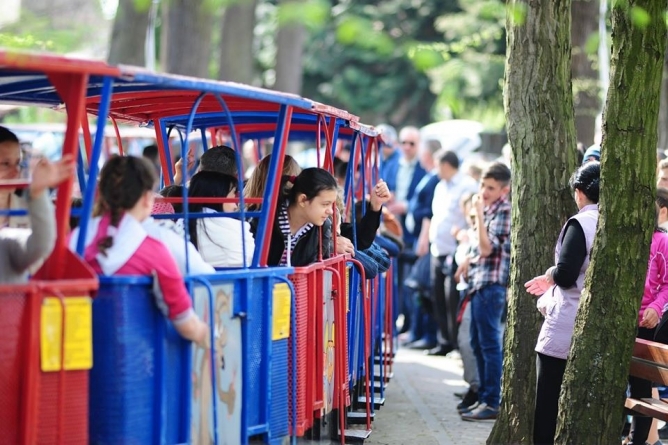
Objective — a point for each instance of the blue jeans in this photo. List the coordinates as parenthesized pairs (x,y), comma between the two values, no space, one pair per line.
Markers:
(487,307)
(423,325)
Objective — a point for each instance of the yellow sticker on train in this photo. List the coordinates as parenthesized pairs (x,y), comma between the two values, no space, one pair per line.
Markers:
(78,334)
(281,312)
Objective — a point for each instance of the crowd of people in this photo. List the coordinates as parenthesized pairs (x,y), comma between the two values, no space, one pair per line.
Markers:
(455,216)
(447,219)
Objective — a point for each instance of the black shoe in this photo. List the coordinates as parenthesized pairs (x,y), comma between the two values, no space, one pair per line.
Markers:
(470,398)
(439,350)
(420,344)
(460,395)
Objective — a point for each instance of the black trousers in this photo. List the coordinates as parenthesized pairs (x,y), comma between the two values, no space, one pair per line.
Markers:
(446,299)
(641,389)
(549,377)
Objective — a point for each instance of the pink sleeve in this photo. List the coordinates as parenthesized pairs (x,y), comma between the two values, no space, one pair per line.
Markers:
(171,293)
(661,264)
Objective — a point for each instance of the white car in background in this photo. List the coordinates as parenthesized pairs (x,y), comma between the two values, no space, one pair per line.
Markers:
(458,135)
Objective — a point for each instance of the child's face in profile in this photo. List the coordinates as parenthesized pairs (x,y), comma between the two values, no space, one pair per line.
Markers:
(231,206)
(10,160)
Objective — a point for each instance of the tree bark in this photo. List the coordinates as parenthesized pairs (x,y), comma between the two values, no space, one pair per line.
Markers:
(186,37)
(236,45)
(663,109)
(538,101)
(128,34)
(586,88)
(289,52)
(593,391)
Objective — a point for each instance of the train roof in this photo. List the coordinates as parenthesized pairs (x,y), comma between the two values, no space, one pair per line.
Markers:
(141,96)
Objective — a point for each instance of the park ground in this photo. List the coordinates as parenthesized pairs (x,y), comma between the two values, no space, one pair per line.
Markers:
(420,404)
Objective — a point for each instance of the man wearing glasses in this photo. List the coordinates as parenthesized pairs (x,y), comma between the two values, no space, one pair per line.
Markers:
(408,175)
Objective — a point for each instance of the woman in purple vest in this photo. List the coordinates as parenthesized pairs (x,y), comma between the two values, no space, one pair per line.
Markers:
(559,290)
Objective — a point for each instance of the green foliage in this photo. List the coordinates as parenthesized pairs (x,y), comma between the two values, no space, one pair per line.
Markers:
(312,14)
(470,81)
(367,59)
(142,5)
(639,17)
(358,31)
(592,43)
(25,41)
(411,63)
(36,33)
(517,13)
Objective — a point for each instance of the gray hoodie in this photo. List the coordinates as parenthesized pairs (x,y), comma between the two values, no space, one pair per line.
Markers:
(21,248)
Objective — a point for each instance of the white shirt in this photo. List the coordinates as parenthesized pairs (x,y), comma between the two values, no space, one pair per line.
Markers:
(172,237)
(220,241)
(447,213)
(404,178)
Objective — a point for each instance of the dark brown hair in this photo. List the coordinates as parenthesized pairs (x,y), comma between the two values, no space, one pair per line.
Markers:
(123,181)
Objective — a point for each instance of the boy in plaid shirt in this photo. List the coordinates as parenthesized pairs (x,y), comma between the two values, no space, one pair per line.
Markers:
(488,276)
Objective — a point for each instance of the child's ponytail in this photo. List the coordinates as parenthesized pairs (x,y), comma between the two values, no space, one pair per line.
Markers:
(123,181)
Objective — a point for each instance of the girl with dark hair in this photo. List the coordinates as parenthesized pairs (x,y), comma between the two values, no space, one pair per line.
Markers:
(307,203)
(559,290)
(219,239)
(118,244)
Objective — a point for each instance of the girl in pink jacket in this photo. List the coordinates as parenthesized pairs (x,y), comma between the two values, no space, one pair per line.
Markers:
(117,243)
(652,307)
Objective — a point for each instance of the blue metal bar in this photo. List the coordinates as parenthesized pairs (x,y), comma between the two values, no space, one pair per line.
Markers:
(205,142)
(81,169)
(240,181)
(363,174)
(93,162)
(258,149)
(270,197)
(184,172)
(14,212)
(335,134)
(234,89)
(212,344)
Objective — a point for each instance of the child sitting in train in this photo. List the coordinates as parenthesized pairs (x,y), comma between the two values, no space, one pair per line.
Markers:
(11,162)
(117,243)
(21,248)
(306,204)
(222,241)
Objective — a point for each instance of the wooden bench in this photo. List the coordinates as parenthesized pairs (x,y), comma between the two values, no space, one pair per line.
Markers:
(650,362)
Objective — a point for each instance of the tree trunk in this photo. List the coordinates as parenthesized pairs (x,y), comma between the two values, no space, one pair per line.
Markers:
(186,37)
(594,387)
(586,87)
(128,34)
(539,115)
(289,52)
(663,109)
(236,46)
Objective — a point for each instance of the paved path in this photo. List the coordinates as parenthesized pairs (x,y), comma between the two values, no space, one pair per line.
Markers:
(420,405)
